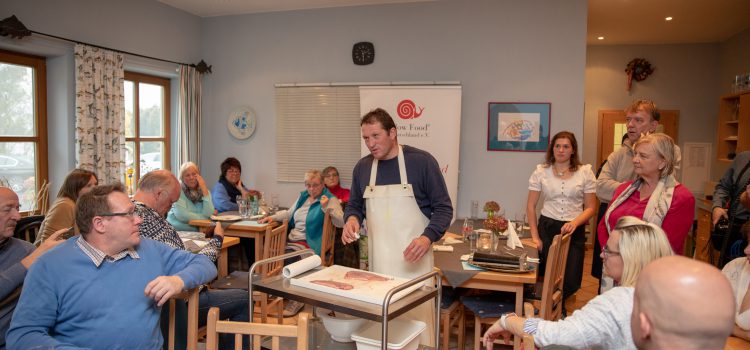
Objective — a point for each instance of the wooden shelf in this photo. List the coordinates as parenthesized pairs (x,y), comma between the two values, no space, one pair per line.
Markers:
(733,122)
(733,125)
(731,138)
(725,160)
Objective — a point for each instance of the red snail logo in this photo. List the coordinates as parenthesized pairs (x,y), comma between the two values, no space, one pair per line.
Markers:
(408,110)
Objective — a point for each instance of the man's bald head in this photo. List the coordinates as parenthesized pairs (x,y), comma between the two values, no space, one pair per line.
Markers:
(681,303)
(9,212)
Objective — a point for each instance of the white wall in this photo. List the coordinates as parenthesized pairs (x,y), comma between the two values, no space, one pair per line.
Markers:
(686,78)
(529,51)
(140,26)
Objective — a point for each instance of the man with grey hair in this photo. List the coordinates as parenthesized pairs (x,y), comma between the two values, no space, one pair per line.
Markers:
(157,191)
(16,257)
(680,303)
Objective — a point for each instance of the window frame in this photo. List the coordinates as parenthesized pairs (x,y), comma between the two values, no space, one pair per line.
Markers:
(137,78)
(39,65)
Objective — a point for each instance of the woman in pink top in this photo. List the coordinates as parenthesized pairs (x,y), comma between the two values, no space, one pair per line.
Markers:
(655,196)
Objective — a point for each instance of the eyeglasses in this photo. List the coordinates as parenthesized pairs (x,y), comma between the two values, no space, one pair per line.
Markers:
(331,175)
(608,253)
(233,171)
(310,185)
(130,214)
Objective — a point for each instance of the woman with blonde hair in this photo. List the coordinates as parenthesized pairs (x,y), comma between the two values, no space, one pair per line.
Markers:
(195,199)
(655,196)
(603,323)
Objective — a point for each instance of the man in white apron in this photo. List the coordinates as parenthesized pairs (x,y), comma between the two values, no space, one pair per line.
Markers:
(402,193)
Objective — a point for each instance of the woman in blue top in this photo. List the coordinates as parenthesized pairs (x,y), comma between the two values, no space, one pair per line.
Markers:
(306,215)
(195,200)
(230,186)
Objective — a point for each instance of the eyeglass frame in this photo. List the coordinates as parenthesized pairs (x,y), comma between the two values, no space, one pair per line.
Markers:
(608,253)
(131,213)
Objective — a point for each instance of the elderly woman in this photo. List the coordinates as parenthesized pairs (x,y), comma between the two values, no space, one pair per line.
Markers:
(62,213)
(195,199)
(655,196)
(333,184)
(603,323)
(306,214)
(230,186)
(738,273)
(569,189)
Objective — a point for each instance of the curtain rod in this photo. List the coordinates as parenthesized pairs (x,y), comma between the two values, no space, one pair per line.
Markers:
(385,83)
(13,27)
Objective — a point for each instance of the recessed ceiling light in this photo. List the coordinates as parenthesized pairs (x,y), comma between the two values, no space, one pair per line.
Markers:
(600,38)
(669,18)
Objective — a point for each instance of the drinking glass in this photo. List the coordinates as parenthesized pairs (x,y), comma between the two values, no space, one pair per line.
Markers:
(472,238)
(275,203)
(467,229)
(244,208)
(484,243)
(474,209)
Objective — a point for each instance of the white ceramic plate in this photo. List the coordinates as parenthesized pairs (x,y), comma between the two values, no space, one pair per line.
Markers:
(226,217)
(241,122)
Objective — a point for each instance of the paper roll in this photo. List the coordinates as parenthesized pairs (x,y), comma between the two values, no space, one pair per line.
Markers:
(301,266)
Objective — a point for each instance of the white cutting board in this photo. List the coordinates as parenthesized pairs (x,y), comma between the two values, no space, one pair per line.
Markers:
(368,291)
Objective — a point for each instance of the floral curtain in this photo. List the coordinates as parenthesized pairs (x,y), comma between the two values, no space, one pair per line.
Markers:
(100,112)
(189,120)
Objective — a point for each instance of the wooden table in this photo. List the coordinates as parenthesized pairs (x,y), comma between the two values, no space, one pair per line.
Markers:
(499,281)
(241,231)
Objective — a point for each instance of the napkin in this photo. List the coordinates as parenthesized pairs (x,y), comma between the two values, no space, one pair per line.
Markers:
(442,248)
(513,240)
(451,240)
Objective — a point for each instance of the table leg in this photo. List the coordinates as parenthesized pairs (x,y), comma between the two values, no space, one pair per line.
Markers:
(519,311)
(223,263)
(258,248)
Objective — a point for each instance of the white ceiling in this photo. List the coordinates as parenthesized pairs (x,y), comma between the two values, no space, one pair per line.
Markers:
(619,21)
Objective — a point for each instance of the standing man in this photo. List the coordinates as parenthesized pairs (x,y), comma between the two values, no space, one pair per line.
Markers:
(105,288)
(641,117)
(16,257)
(680,303)
(729,195)
(402,194)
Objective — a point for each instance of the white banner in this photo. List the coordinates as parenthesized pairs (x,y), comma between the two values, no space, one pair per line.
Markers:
(427,117)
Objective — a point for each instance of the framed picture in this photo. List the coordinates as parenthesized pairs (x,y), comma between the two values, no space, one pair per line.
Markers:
(520,127)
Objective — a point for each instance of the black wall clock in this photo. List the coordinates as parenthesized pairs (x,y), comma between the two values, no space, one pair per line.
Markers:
(363,53)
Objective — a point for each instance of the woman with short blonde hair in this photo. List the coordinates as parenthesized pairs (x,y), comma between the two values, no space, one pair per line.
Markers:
(604,322)
(195,199)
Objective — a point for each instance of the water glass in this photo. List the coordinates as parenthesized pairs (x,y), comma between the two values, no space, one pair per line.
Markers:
(467,228)
(474,209)
(244,208)
(275,203)
(472,239)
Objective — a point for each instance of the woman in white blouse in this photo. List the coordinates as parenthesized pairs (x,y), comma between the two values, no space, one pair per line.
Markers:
(604,322)
(738,273)
(569,192)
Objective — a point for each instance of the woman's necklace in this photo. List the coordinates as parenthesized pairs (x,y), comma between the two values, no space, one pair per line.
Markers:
(560,173)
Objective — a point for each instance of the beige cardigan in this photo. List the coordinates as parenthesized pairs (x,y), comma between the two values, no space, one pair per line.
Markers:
(61,215)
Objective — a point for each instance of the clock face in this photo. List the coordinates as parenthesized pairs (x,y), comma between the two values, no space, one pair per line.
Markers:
(363,53)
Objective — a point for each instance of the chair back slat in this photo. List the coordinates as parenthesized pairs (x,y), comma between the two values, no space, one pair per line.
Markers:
(28,228)
(552,292)
(274,243)
(328,241)
(257,330)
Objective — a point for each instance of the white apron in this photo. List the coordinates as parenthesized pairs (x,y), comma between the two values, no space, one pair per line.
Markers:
(393,221)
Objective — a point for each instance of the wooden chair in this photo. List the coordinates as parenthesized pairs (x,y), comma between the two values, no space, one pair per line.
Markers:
(274,243)
(193,333)
(736,343)
(452,316)
(257,330)
(328,242)
(28,228)
(550,301)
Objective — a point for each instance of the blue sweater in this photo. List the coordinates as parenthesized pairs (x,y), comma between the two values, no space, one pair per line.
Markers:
(12,273)
(68,303)
(185,210)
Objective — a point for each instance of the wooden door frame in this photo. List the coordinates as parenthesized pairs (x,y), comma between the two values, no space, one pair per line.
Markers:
(599,132)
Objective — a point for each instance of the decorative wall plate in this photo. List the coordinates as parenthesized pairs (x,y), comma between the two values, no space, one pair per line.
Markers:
(241,122)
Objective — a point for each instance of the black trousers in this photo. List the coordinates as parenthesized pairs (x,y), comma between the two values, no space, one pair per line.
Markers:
(548,228)
(597,263)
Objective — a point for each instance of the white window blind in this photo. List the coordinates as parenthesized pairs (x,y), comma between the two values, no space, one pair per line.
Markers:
(317,127)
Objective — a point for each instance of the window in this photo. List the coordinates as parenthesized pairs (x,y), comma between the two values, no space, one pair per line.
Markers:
(146,125)
(23,126)
(317,127)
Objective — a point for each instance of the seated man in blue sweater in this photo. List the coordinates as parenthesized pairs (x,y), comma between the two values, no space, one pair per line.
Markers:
(105,288)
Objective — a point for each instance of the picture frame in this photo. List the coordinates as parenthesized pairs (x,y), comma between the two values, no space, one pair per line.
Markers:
(518,126)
